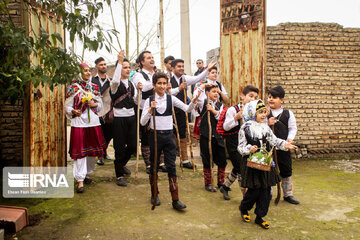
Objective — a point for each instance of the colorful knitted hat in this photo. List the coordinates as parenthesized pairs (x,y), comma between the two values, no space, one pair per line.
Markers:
(250,109)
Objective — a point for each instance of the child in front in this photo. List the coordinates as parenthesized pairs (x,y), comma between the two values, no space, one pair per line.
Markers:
(163,104)
(256,136)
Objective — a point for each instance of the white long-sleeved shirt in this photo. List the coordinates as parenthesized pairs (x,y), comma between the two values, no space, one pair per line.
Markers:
(230,122)
(190,80)
(82,120)
(114,84)
(147,85)
(202,96)
(291,122)
(161,104)
(200,104)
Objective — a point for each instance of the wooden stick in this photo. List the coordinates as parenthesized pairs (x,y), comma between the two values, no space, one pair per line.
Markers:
(177,135)
(155,157)
(138,134)
(210,148)
(277,199)
(188,132)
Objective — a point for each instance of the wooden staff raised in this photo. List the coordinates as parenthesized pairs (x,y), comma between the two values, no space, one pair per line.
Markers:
(210,147)
(277,199)
(138,134)
(188,132)
(155,156)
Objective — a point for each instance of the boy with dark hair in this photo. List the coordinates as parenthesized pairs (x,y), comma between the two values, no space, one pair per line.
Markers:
(214,106)
(144,76)
(167,62)
(285,128)
(179,83)
(162,105)
(232,124)
(123,95)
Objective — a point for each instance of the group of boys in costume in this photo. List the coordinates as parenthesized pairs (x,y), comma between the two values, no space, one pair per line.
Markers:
(245,127)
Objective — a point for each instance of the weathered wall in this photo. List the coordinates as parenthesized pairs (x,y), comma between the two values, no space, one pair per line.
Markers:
(11,133)
(318,65)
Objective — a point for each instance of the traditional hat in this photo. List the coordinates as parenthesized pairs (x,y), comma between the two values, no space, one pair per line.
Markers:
(250,109)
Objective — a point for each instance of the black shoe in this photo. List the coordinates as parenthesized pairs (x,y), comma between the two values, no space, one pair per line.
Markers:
(80,190)
(208,187)
(188,165)
(178,205)
(100,162)
(126,171)
(292,200)
(87,180)
(157,201)
(225,192)
(120,181)
(148,170)
(163,168)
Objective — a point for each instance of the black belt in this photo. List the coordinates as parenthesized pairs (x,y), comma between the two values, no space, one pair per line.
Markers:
(161,131)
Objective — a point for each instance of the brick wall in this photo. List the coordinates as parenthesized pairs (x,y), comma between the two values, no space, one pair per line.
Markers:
(11,134)
(15,12)
(318,65)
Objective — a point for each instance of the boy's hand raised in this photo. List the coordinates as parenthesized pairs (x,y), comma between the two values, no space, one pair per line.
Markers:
(152,106)
(196,97)
(121,56)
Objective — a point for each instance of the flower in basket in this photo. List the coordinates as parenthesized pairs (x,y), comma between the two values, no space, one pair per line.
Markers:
(86,99)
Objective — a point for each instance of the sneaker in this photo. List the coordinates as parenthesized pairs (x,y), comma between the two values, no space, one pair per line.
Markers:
(100,161)
(120,181)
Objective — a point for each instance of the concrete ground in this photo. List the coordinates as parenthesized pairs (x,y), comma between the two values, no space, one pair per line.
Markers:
(329,192)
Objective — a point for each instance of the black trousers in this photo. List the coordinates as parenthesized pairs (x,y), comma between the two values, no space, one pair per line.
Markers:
(234,155)
(124,141)
(285,163)
(260,196)
(218,152)
(107,129)
(144,134)
(166,144)
(181,122)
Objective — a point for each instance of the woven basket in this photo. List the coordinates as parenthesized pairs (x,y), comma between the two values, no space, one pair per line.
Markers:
(259,166)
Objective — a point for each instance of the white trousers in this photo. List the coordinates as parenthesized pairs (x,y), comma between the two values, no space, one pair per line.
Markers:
(82,167)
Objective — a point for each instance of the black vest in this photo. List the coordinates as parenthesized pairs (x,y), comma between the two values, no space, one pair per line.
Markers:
(204,126)
(147,94)
(168,110)
(281,127)
(128,101)
(96,80)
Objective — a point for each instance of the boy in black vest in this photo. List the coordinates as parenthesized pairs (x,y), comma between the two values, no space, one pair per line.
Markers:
(102,80)
(144,76)
(285,128)
(163,104)
(232,124)
(179,82)
(217,143)
(123,95)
